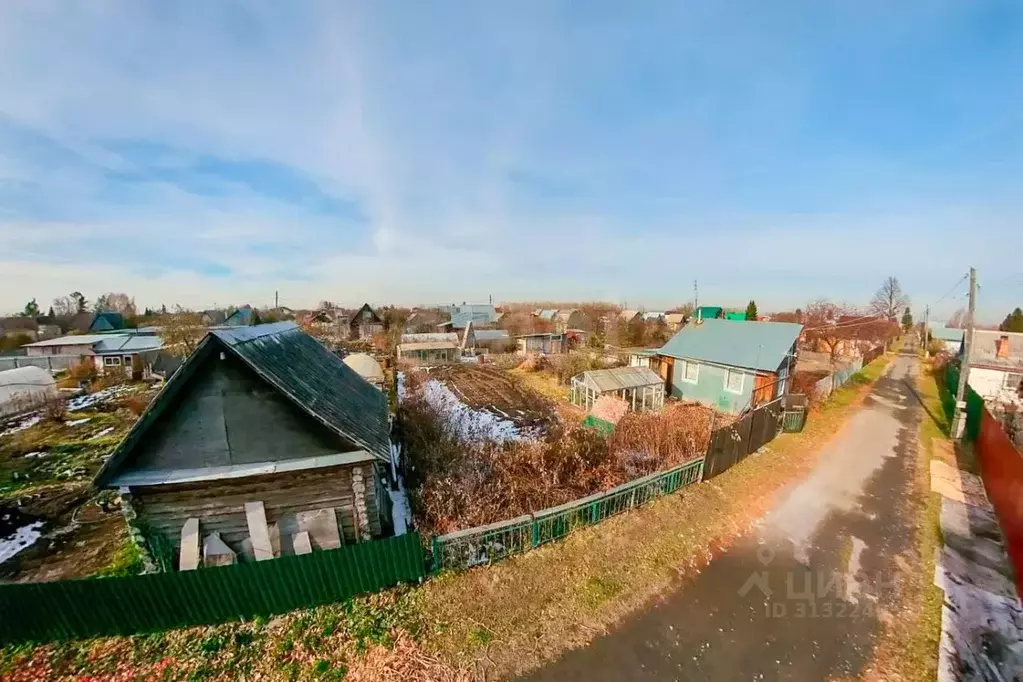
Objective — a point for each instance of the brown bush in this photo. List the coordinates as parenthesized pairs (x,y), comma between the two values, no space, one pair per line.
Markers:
(82,372)
(459,483)
(137,403)
(54,407)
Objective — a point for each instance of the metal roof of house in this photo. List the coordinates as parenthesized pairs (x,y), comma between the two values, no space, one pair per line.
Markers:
(428,345)
(620,378)
(300,369)
(984,350)
(128,343)
(490,334)
(708,312)
(753,345)
(72,340)
(674,318)
(946,333)
(628,315)
(461,320)
(428,337)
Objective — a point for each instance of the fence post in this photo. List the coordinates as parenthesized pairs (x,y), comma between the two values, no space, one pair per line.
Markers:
(535,530)
(435,546)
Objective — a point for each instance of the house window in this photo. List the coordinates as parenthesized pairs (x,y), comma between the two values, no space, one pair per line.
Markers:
(127,359)
(111,361)
(690,372)
(734,381)
(1011,381)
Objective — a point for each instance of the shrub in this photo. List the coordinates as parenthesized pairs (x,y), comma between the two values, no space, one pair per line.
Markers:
(54,407)
(137,403)
(83,372)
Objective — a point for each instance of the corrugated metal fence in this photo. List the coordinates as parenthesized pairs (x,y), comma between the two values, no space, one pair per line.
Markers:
(50,362)
(829,384)
(733,443)
(485,544)
(148,603)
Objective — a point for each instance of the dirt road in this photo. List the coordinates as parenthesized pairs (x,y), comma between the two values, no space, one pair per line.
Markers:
(803,598)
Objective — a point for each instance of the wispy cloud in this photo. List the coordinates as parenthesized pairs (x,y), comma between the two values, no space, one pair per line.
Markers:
(212,152)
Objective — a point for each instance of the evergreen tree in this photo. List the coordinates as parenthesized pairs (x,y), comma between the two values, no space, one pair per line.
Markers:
(907,320)
(32,309)
(1013,322)
(751,311)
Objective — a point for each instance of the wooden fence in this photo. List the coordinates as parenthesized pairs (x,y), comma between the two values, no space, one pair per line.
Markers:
(148,603)
(733,443)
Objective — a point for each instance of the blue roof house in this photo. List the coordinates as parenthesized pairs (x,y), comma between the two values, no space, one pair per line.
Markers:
(730,365)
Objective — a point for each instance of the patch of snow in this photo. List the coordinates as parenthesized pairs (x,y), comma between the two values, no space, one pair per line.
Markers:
(26,422)
(465,422)
(103,432)
(21,538)
(401,386)
(76,422)
(30,455)
(89,399)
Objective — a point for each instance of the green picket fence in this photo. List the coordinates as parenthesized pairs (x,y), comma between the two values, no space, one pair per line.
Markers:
(486,544)
(160,601)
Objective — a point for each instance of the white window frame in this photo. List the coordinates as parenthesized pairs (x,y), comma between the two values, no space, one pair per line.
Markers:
(111,361)
(1011,380)
(686,364)
(742,380)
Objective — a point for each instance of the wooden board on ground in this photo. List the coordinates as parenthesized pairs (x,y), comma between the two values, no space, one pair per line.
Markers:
(259,533)
(189,557)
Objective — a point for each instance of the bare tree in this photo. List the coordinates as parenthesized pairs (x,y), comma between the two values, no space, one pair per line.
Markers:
(889,299)
(958,320)
(821,326)
(115,303)
(64,305)
(181,332)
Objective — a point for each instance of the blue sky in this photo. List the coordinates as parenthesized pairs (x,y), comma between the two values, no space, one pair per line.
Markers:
(212,153)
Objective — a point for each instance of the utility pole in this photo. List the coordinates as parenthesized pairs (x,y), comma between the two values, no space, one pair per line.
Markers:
(927,331)
(959,421)
(696,296)
(277,300)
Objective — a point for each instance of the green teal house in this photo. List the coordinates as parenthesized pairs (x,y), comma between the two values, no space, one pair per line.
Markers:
(729,364)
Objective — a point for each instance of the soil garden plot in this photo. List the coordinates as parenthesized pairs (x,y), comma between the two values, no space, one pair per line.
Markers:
(53,524)
(497,392)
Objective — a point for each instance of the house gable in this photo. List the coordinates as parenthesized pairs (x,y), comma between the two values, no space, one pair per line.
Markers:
(290,368)
(225,415)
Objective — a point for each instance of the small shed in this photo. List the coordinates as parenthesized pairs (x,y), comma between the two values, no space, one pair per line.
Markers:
(640,387)
(21,387)
(430,352)
(261,432)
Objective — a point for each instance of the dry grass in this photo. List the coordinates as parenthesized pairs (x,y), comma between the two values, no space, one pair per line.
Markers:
(536,605)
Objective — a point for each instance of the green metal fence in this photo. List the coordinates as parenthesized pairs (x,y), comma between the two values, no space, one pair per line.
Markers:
(974,403)
(486,544)
(148,603)
(793,420)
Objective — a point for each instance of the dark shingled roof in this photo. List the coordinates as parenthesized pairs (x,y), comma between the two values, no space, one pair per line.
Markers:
(297,366)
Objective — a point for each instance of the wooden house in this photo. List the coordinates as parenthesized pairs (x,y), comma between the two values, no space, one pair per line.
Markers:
(257,417)
(730,365)
(362,323)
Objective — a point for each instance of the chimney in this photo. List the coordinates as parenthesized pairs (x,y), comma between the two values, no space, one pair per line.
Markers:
(1002,350)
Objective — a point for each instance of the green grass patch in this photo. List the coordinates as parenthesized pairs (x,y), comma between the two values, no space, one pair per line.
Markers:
(598,590)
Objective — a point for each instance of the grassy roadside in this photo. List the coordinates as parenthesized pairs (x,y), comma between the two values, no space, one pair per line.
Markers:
(908,648)
(499,620)
(513,616)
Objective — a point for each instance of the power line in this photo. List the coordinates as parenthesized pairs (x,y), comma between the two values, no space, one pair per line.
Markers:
(954,286)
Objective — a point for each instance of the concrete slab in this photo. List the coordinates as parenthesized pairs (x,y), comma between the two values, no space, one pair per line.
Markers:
(189,557)
(952,568)
(302,543)
(215,551)
(321,525)
(981,636)
(973,532)
(961,486)
(259,533)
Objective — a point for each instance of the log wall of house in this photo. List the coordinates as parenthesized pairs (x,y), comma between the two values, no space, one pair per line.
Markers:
(220,505)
